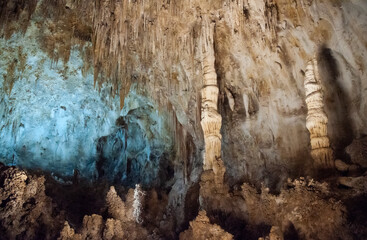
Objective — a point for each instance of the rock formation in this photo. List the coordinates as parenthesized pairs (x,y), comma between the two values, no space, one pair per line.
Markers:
(122,224)
(211,121)
(116,207)
(275,234)
(358,151)
(201,229)
(304,209)
(316,121)
(154,52)
(206,105)
(296,207)
(26,212)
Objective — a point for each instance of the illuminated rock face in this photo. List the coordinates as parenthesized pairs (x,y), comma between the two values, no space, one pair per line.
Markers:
(316,121)
(52,111)
(55,120)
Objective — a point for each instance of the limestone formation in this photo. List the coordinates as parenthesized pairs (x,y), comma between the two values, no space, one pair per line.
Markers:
(211,121)
(298,206)
(209,105)
(138,204)
(25,209)
(201,229)
(113,230)
(92,227)
(341,166)
(116,207)
(154,50)
(316,121)
(68,233)
(275,234)
(304,208)
(122,223)
(358,151)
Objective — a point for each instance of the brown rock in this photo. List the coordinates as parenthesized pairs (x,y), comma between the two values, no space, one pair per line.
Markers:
(358,151)
(341,166)
(201,229)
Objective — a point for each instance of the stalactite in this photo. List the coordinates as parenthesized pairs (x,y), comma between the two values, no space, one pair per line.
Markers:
(15,14)
(211,120)
(316,121)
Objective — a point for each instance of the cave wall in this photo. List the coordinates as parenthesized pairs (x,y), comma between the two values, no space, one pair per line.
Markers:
(140,149)
(117,90)
(51,114)
(262,49)
(54,119)
(264,71)
(261,53)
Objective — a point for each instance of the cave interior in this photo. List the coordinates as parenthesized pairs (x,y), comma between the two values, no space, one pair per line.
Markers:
(220,119)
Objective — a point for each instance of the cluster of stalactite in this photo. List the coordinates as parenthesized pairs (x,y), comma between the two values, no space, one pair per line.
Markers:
(316,121)
(133,38)
(15,16)
(130,39)
(158,46)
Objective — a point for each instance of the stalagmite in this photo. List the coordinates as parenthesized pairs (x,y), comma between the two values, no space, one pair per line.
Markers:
(201,228)
(211,120)
(138,203)
(316,121)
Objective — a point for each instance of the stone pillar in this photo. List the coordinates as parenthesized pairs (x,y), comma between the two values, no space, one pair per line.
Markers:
(211,120)
(316,121)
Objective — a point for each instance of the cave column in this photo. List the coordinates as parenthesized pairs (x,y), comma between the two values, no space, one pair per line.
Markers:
(316,121)
(211,120)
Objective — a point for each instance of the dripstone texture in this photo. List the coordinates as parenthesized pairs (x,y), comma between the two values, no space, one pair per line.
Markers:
(209,105)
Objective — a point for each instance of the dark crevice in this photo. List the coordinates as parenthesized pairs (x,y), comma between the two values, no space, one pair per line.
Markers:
(357,216)
(4,202)
(191,205)
(237,226)
(290,232)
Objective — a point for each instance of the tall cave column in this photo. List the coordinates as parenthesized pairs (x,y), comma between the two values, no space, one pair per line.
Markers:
(211,120)
(316,121)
